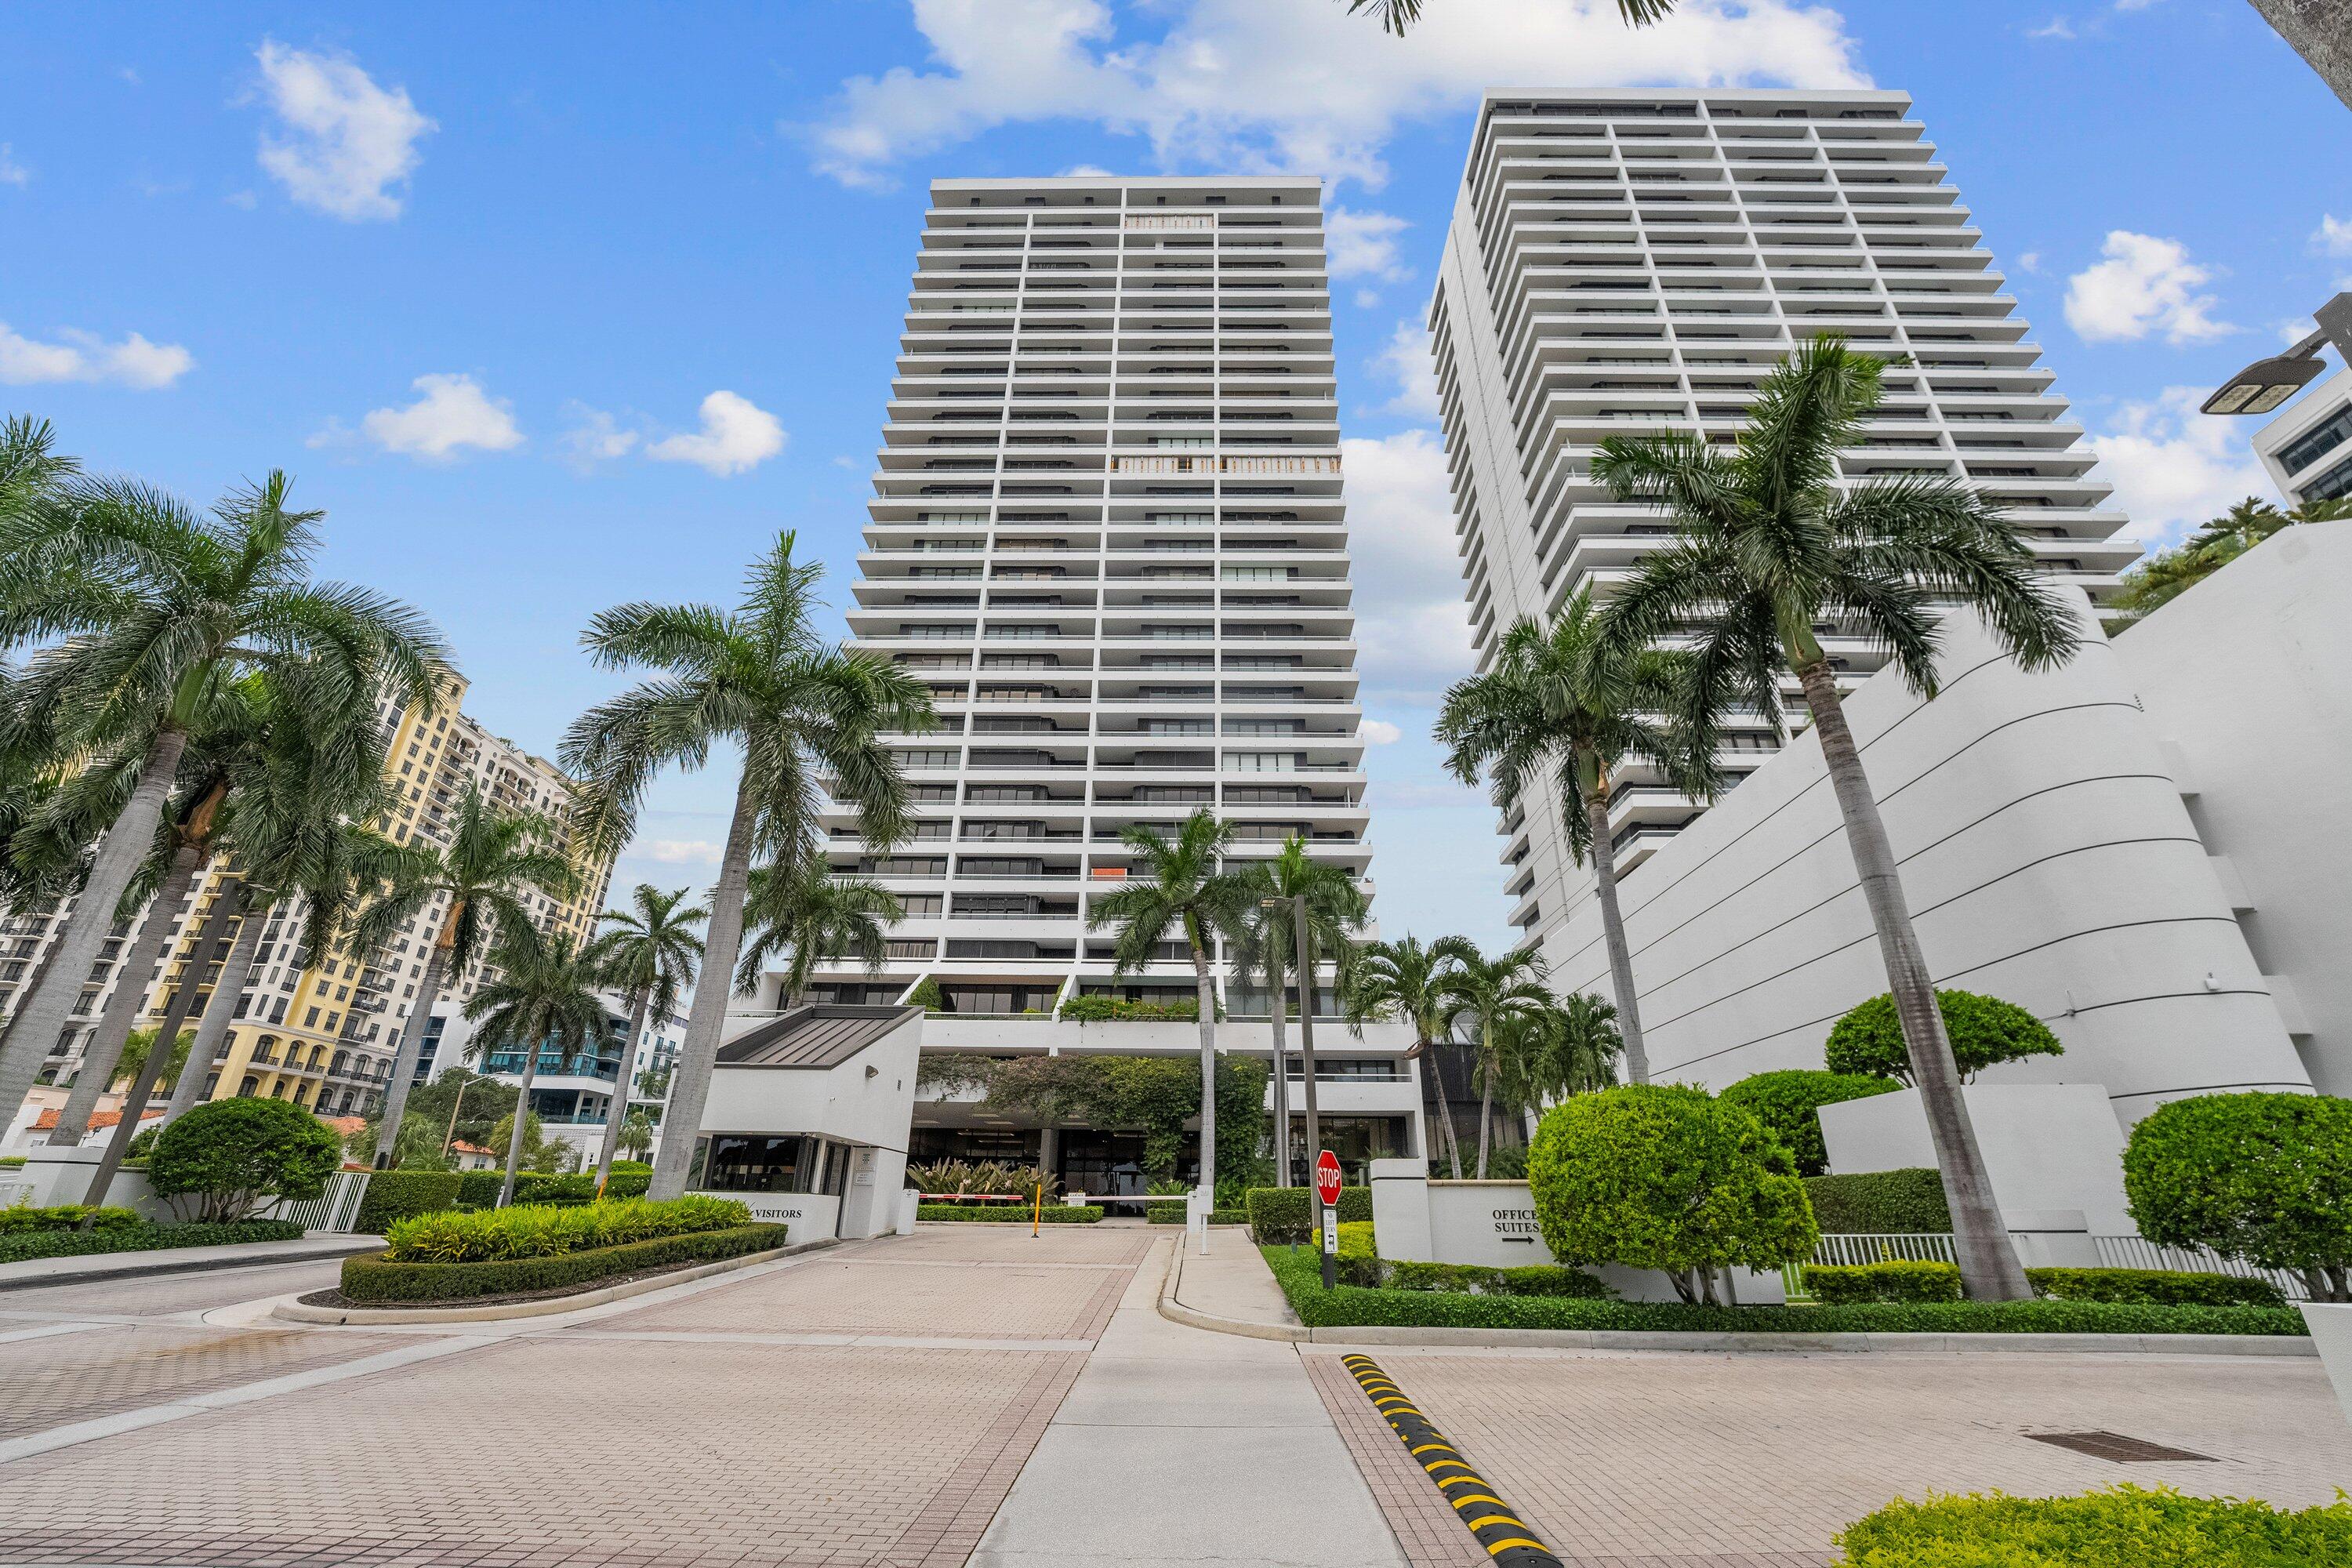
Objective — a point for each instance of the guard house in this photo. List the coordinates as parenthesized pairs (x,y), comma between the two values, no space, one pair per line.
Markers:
(807,1119)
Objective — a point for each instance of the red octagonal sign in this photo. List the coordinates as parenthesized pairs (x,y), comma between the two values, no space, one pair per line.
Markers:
(1326,1178)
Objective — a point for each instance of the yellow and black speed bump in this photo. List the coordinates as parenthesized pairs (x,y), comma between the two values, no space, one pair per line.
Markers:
(1486,1516)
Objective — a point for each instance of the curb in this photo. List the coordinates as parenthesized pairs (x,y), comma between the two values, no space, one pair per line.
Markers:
(1175,1312)
(128,1270)
(296,1313)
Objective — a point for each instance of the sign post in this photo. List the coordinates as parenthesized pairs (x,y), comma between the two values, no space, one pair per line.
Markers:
(1327,1202)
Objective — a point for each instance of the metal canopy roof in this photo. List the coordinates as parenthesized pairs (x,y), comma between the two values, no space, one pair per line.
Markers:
(814,1035)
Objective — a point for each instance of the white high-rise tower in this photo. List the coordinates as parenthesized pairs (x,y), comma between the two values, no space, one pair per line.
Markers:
(1108,530)
(1628,262)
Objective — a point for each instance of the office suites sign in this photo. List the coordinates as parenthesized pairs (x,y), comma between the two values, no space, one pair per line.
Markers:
(1492,1223)
(1517,1225)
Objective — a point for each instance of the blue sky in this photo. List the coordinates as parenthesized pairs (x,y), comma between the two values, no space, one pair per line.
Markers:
(552,308)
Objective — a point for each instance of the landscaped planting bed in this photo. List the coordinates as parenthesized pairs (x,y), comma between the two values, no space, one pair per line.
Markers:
(2124,1528)
(1278,1215)
(521,1251)
(1009,1214)
(28,1233)
(1350,1306)
(1174,1214)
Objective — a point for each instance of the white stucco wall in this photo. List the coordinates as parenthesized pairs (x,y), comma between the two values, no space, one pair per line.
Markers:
(844,1102)
(2248,677)
(2047,857)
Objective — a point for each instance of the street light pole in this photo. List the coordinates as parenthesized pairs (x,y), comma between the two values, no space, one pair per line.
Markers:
(1304,957)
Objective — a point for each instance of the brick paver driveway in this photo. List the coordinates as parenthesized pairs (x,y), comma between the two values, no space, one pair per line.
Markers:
(1692,1461)
(868,1404)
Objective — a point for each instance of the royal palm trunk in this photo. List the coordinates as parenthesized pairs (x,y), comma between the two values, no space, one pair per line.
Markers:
(159,1056)
(1205,988)
(1279,1009)
(1486,1095)
(620,1107)
(1451,1136)
(220,1010)
(34,1031)
(412,1042)
(521,1116)
(1989,1267)
(2321,32)
(689,1084)
(122,1009)
(1612,923)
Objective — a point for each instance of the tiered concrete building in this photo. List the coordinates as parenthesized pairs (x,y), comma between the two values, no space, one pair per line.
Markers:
(1627,262)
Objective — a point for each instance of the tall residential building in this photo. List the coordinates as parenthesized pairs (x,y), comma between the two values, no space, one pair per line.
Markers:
(322,1035)
(2308,448)
(1108,530)
(1624,263)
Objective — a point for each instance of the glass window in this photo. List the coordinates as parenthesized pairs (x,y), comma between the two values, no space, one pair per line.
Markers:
(2313,445)
(755,1163)
(2333,485)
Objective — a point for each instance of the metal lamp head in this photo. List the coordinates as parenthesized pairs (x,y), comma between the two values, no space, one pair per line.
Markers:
(2262,386)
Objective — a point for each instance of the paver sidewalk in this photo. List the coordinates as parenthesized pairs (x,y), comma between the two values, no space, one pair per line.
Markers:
(33,1273)
(1177,1445)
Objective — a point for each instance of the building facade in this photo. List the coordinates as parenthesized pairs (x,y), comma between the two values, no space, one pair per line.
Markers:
(2308,448)
(1626,263)
(1107,529)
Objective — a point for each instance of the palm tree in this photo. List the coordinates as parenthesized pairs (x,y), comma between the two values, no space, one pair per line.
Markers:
(541,995)
(805,909)
(1405,980)
(810,719)
(1336,906)
(142,609)
(1184,886)
(1487,997)
(1555,700)
(649,957)
(2164,577)
(493,860)
(1397,15)
(636,1137)
(1769,549)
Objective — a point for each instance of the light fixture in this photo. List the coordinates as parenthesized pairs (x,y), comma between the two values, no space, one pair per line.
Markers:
(2263,386)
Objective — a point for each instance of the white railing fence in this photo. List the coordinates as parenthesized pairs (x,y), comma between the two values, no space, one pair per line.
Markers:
(2138,1252)
(13,1193)
(336,1210)
(1852,1249)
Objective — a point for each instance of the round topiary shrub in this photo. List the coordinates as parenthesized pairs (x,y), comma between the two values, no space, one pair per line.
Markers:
(1788,1103)
(2265,1178)
(1984,1030)
(216,1163)
(1665,1177)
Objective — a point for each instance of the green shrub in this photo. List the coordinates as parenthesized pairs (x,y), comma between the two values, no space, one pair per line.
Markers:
(1788,1105)
(66,1216)
(16,1246)
(143,1143)
(1898,1279)
(1665,1177)
(1506,1163)
(1174,1214)
(1983,1029)
(1110,1009)
(1356,1238)
(993,1178)
(1480,1280)
(2122,1528)
(480,1188)
(12,1162)
(2158,1286)
(1299,1275)
(547,1230)
(2263,1177)
(1009,1214)
(927,996)
(1286,1214)
(223,1157)
(1909,1202)
(395,1196)
(373,1276)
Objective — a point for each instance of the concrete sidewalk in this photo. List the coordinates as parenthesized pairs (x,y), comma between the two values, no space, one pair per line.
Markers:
(1233,1281)
(1177,1445)
(94,1267)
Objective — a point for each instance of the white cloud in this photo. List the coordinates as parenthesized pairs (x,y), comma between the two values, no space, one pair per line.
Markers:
(1364,243)
(1250,86)
(2029,261)
(595,437)
(2145,285)
(452,413)
(1405,359)
(677,851)
(736,435)
(346,141)
(2056,27)
(12,173)
(2332,237)
(1378,732)
(133,362)
(1411,623)
(2173,467)
(1084,172)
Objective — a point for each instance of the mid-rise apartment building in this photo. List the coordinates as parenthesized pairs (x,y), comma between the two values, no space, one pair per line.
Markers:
(1624,263)
(322,1034)
(2308,448)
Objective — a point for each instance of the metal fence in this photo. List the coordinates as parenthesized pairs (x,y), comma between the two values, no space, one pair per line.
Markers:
(337,1209)
(13,1193)
(2114,1252)
(1850,1249)
(2138,1252)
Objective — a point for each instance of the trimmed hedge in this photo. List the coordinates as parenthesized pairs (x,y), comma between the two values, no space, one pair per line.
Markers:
(23,1245)
(2124,1528)
(1174,1214)
(66,1216)
(1299,1275)
(1788,1105)
(543,1230)
(1539,1280)
(1898,1279)
(1007,1213)
(372,1276)
(479,1189)
(395,1195)
(2157,1287)
(1908,1202)
(1285,1214)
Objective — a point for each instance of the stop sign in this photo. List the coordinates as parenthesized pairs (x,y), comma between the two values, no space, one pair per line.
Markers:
(1326,1178)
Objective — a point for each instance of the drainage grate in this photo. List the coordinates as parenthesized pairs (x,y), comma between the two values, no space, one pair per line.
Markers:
(2117,1447)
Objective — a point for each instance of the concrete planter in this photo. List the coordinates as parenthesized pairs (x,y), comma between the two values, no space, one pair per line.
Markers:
(2331,1334)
